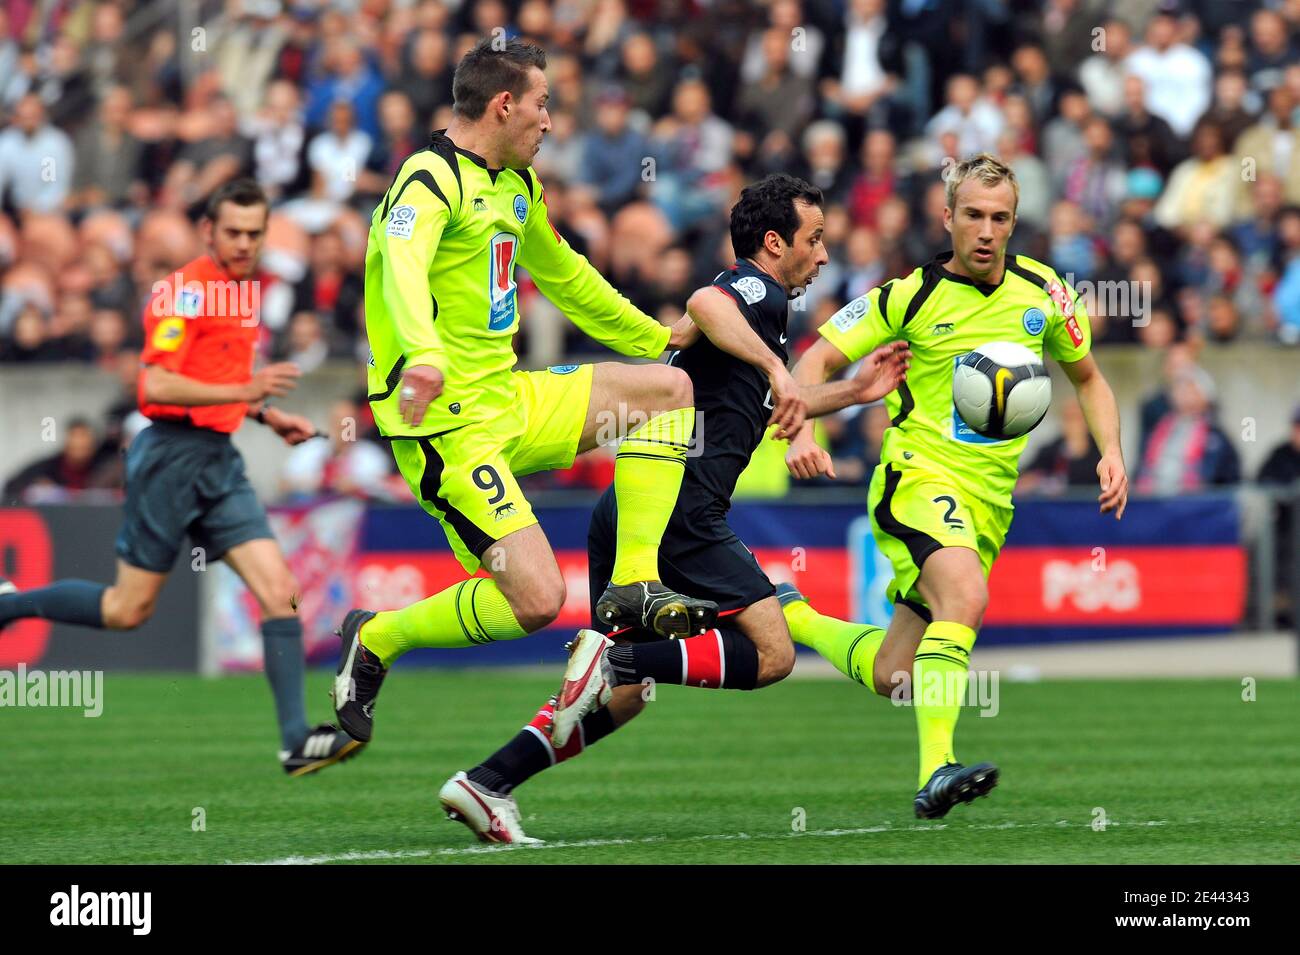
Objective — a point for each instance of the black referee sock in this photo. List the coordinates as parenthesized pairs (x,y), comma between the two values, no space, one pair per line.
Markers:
(284,664)
(531,751)
(66,601)
(718,659)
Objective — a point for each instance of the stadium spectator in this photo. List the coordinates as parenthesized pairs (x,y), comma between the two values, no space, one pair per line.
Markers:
(1062,138)
(108,158)
(425,77)
(695,146)
(1187,451)
(346,463)
(279,138)
(1202,187)
(1102,74)
(331,292)
(824,150)
(1034,80)
(37,165)
(399,137)
(245,44)
(1069,460)
(1286,295)
(1270,147)
(877,181)
(337,156)
(975,121)
(643,74)
(1096,181)
(347,77)
(858,82)
(1229,110)
(1148,140)
(216,154)
(72,468)
(780,99)
(1270,50)
(613,153)
(1176,76)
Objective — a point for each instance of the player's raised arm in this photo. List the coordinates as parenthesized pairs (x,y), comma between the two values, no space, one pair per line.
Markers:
(719,318)
(583,294)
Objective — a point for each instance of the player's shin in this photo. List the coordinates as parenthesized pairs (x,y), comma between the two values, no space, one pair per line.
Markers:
(284,665)
(938,688)
(531,751)
(471,612)
(647,476)
(719,659)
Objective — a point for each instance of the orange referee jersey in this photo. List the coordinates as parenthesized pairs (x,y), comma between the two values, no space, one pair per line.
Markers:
(202,323)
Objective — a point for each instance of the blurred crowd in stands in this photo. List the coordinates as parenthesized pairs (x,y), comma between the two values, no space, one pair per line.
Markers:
(1157,147)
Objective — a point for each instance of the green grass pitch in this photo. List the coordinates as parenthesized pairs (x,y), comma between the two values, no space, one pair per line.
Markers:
(1184,771)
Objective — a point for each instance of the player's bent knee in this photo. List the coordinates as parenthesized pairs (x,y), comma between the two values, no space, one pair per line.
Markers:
(539,606)
(128,616)
(775,665)
(680,390)
(281,598)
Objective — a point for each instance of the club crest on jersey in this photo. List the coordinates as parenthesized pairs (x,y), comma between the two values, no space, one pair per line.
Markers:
(501,282)
(521,208)
(751,289)
(852,313)
(1061,298)
(562,369)
(1034,320)
(401,222)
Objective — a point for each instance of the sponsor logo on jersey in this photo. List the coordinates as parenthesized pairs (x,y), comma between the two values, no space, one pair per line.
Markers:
(478,204)
(1072,326)
(521,208)
(1061,298)
(168,334)
(943,328)
(852,313)
(751,289)
(454,407)
(401,222)
(1034,321)
(501,283)
(562,369)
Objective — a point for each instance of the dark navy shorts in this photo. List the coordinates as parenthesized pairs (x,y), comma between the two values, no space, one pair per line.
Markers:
(700,554)
(185,480)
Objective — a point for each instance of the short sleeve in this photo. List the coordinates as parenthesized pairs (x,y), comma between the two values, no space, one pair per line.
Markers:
(863,325)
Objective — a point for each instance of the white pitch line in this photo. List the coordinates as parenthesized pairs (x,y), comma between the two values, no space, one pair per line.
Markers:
(390,855)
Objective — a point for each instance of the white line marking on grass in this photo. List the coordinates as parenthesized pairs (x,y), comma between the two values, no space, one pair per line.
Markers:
(386,855)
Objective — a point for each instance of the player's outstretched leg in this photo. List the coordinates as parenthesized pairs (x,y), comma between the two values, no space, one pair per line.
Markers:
(953,783)
(648,471)
(850,647)
(483,798)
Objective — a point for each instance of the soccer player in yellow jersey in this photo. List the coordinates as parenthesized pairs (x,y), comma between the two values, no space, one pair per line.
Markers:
(441,314)
(940,500)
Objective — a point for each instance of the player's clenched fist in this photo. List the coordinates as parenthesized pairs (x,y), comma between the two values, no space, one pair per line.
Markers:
(421,384)
(806,459)
(277,379)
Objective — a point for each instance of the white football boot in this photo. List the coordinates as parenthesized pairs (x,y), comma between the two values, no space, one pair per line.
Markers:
(588,684)
(491,817)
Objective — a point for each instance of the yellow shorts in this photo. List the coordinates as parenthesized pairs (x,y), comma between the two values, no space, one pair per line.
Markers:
(466,478)
(916,511)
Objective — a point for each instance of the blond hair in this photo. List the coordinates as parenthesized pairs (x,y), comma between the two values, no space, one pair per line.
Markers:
(984,167)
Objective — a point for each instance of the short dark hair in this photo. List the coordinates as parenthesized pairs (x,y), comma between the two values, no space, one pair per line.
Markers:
(768,205)
(485,71)
(242,192)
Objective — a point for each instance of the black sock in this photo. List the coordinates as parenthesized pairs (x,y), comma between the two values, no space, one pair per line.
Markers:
(719,658)
(67,601)
(283,660)
(530,752)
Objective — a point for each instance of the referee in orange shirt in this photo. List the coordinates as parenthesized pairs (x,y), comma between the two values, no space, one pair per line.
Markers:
(183,474)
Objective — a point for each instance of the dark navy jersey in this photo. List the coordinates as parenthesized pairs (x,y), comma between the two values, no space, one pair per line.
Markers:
(732,400)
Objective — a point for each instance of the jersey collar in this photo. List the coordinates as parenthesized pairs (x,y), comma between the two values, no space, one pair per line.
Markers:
(986,289)
(475,158)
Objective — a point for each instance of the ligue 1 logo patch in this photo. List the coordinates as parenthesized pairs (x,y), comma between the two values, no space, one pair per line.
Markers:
(521,208)
(401,222)
(1034,320)
(751,289)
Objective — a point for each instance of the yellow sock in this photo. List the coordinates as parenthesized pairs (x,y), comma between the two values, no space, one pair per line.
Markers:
(647,476)
(938,689)
(471,612)
(850,647)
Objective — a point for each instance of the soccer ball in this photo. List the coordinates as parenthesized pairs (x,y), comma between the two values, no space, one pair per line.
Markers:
(1001,390)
